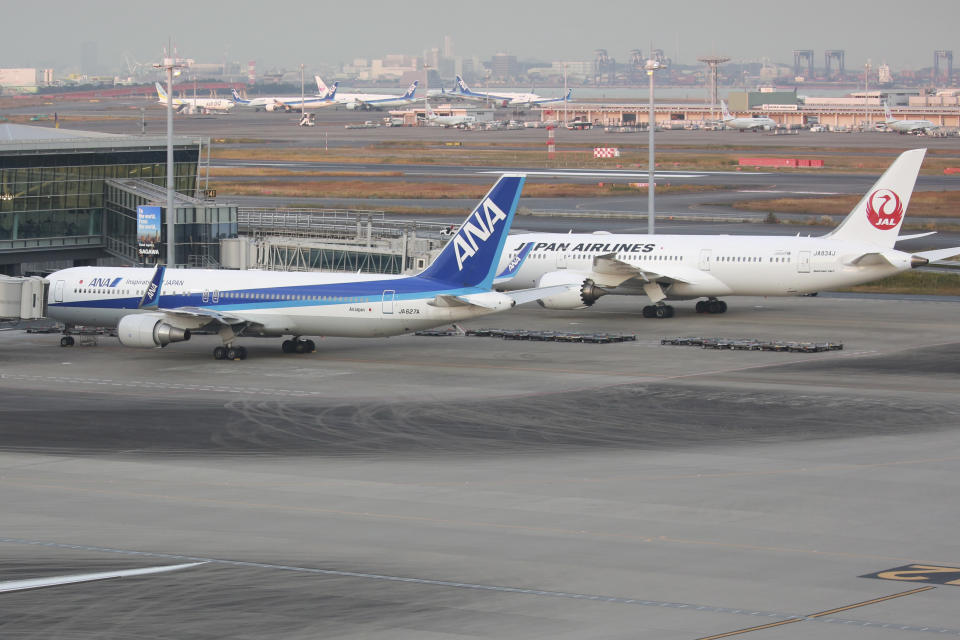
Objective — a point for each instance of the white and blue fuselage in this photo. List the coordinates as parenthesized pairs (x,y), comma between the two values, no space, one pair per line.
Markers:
(277,303)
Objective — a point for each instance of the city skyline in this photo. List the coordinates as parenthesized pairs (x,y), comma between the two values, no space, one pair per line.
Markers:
(339,33)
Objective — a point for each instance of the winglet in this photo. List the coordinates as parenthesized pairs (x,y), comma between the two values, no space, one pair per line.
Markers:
(510,271)
(151,297)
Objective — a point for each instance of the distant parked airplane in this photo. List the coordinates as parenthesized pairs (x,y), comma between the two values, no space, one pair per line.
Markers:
(371,100)
(507,98)
(757,123)
(906,126)
(194,105)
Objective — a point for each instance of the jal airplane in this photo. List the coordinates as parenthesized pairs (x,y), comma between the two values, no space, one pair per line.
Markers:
(507,98)
(155,307)
(760,123)
(906,126)
(371,100)
(194,105)
(686,267)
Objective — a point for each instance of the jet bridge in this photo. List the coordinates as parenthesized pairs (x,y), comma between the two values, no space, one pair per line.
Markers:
(23,298)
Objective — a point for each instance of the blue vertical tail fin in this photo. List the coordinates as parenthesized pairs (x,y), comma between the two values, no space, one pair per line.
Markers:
(471,257)
(412,89)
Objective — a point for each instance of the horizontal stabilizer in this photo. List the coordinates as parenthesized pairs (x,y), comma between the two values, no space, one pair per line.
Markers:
(938,254)
(914,236)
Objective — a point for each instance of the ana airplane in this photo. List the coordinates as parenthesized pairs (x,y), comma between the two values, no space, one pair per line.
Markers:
(508,99)
(282,103)
(680,267)
(194,105)
(154,307)
(371,100)
(448,121)
(906,126)
(759,123)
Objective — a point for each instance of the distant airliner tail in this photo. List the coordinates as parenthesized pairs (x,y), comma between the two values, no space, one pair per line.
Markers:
(462,86)
(237,98)
(724,111)
(161,92)
(887,113)
(471,257)
(878,216)
(322,88)
(411,90)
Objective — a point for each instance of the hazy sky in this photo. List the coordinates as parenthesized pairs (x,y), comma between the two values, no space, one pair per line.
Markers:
(283,34)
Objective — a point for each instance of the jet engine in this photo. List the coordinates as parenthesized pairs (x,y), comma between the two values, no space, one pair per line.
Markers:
(149,330)
(578,297)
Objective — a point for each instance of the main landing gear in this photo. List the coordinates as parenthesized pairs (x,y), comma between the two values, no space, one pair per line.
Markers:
(66,341)
(659,310)
(711,305)
(229,352)
(299,345)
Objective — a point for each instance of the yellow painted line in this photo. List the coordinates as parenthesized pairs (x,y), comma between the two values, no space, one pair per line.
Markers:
(874,601)
(816,615)
(748,630)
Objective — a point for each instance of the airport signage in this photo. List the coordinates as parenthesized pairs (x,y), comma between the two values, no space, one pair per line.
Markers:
(148,232)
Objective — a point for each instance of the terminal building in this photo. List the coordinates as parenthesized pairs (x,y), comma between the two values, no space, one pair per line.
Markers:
(69,198)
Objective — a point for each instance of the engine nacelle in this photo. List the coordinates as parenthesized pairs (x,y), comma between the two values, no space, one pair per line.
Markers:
(148,331)
(579,297)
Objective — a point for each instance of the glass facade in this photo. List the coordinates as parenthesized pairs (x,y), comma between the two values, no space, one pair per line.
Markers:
(199,225)
(58,193)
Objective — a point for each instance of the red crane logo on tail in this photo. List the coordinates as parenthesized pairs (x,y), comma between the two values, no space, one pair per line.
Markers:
(884,209)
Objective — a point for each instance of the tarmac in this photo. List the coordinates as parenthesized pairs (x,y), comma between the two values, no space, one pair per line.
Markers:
(453,487)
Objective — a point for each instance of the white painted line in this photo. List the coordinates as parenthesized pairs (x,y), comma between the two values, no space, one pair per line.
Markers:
(55,581)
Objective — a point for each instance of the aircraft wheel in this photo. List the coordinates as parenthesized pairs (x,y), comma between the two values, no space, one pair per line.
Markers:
(300,346)
(713,306)
(660,311)
(66,341)
(311,346)
(242,353)
(721,306)
(231,354)
(219,353)
(289,346)
(670,311)
(701,306)
(648,311)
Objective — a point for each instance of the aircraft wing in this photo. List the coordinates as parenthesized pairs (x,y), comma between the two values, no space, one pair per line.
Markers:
(611,271)
(521,296)
(210,314)
(497,300)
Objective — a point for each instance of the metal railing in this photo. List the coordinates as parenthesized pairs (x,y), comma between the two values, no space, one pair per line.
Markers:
(331,223)
(55,242)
